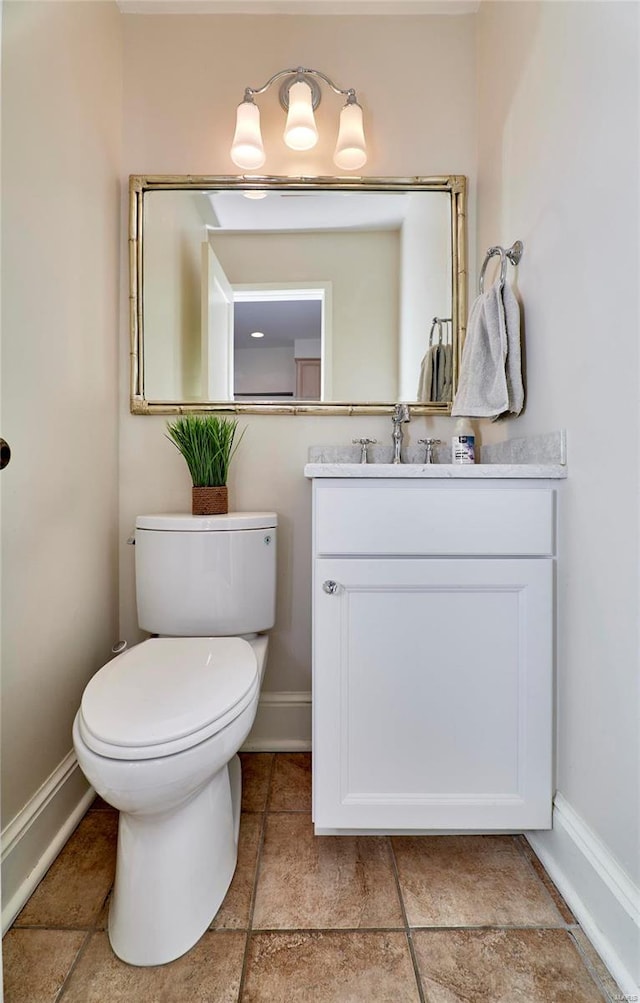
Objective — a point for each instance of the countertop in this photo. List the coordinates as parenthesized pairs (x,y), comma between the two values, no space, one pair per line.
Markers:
(458,471)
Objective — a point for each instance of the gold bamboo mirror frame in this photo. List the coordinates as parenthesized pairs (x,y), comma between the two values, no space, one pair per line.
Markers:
(358,280)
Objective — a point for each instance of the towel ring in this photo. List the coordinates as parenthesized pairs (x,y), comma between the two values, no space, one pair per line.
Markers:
(513,253)
(443,333)
(435,323)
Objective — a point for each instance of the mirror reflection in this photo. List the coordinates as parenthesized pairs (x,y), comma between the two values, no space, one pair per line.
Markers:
(272,293)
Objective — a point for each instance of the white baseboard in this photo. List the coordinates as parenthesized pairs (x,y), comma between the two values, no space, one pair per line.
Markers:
(603,899)
(34,838)
(282,724)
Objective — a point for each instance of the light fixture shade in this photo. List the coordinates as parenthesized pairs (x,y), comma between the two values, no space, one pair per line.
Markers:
(247,150)
(351,149)
(300,132)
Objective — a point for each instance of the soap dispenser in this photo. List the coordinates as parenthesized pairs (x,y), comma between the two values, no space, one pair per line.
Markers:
(463,443)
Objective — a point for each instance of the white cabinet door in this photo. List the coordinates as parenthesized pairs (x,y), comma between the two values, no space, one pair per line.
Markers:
(432,694)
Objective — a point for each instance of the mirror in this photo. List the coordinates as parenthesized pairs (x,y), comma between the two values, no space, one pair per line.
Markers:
(296,295)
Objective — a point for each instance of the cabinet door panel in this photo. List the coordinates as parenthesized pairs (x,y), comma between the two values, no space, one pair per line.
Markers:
(432,694)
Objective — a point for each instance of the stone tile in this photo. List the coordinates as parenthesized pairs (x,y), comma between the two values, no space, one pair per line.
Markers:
(233,914)
(208,973)
(291,782)
(470,881)
(36,963)
(256,773)
(535,862)
(502,966)
(329,968)
(319,882)
(596,966)
(73,891)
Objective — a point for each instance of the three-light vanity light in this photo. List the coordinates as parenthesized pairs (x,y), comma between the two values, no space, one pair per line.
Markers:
(299,96)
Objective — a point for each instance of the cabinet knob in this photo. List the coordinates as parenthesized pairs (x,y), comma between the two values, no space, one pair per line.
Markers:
(5,454)
(330,587)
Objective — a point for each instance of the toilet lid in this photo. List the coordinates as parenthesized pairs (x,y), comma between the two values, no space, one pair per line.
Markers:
(167,694)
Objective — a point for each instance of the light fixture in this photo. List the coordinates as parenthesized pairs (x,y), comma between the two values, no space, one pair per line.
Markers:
(257,334)
(299,96)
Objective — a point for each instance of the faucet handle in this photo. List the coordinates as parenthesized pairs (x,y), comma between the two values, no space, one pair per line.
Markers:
(429,443)
(364,443)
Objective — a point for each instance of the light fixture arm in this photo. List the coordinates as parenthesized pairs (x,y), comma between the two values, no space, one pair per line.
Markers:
(294,76)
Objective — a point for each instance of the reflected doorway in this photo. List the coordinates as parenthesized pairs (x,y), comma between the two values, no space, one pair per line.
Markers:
(281,342)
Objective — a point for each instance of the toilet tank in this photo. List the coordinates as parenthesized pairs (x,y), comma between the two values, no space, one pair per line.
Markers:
(206,576)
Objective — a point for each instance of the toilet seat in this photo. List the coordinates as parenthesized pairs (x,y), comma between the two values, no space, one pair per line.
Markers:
(166,695)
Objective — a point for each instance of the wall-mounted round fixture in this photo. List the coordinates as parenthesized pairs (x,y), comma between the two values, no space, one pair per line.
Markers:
(299,95)
(257,334)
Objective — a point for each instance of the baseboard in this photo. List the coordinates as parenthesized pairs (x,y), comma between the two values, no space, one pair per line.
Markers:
(282,724)
(603,899)
(34,838)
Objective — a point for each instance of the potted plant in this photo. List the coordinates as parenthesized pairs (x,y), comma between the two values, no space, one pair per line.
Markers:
(208,443)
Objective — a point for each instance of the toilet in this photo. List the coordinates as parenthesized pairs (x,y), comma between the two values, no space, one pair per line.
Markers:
(159,727)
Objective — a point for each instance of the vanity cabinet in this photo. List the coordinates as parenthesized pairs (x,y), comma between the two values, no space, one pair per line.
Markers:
(432,654)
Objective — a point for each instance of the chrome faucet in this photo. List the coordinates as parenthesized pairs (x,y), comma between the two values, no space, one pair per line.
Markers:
(363,443)
(430,452)
(399,416)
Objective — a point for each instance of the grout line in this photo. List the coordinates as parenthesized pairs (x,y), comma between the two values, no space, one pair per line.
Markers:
(93,929)
(400,929)
(81,952)
(557,899)
(252,903)
(330,929)
(407,929)
(593,972)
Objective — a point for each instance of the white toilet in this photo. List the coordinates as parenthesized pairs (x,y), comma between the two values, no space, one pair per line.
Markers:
(159,727)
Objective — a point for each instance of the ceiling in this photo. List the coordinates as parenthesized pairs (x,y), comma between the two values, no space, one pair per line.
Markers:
(394,7)
(307,210)
(281,321)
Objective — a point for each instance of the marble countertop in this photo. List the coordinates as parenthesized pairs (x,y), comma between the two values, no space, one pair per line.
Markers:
(539,457)
(469,471)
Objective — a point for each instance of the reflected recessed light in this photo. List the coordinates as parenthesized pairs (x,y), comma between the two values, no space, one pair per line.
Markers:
(255,194)
(257,334)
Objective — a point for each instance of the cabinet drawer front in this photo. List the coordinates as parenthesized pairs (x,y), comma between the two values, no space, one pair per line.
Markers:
(425,520)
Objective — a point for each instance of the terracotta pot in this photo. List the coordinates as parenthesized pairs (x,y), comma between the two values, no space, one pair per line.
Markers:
(209,501)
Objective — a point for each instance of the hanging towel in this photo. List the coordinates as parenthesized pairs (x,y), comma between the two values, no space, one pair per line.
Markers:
(426,377)
(439,372)
(447,388)
(490,370)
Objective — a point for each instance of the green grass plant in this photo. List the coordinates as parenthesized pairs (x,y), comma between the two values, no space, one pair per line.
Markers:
(208,444)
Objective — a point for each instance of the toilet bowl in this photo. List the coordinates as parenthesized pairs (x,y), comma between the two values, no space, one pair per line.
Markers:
(157,736)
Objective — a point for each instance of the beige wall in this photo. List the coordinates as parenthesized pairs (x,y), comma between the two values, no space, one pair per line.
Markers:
(174,233)
(184,77)
(558,169)
(61,243)
(362,269)
(425,290)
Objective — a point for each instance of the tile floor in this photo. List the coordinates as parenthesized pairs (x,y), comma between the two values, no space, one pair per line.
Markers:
(307,919)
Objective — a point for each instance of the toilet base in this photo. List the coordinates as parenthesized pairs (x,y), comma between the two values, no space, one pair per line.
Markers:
(173,871)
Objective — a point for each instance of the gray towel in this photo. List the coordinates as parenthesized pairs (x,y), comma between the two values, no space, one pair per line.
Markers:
(448,373)
(490,371)
(438,372)
(426,377)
